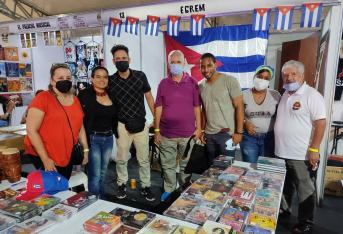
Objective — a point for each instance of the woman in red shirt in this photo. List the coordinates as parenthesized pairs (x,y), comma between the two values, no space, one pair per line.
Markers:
(49,139)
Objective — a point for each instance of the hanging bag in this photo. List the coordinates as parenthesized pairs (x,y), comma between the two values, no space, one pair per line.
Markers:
(198,161)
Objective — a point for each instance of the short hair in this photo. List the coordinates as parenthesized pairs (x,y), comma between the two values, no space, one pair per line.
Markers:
(98,68)
(178,52)
(296,64)
(56,66)
(115,48)
(208,55)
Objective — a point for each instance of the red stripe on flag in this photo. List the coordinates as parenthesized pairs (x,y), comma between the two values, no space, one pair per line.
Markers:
(174,18)
(132,20)
(312,6)
(153,19)
(198,17)
(262,11)
(284,9)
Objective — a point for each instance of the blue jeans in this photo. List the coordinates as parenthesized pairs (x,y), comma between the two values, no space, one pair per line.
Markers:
(99,155)
(261,144)
(216,145)
(3,123)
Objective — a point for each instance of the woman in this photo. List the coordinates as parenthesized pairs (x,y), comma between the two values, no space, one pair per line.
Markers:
(260,108)
(100,123)
(49,141)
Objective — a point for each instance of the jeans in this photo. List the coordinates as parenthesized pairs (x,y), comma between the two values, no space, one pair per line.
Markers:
(3,123)
(99,155)
(216,145)
(261,144)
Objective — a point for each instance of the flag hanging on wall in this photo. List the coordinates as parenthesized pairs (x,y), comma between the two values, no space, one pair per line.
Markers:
(197,24)
(152,25)
(132,25)
(283,18)
(261,19)
(310,15)
(114,25)
(239,50)
(173,25)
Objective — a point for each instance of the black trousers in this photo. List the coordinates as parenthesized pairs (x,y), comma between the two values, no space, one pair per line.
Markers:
(65,171)
(300,179)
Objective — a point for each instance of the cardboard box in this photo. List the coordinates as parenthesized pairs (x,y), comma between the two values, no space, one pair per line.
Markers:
(332,182)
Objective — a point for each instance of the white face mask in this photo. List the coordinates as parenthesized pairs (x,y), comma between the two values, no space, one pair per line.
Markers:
(260,84)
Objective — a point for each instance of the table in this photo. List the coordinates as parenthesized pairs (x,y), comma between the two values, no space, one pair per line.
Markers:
(12,140)
(336,136)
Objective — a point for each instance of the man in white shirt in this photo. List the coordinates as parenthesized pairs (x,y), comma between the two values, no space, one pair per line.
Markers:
(299,129)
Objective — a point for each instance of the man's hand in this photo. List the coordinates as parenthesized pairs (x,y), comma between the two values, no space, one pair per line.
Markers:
(236,138)
(202,138)
(250,127)
(313,158)
(157,137)
(197,134)
(85,158)
(49,164)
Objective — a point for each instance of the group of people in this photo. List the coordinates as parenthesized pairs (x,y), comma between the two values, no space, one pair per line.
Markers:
(214,111)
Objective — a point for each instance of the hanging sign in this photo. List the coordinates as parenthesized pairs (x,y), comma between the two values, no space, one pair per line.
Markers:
(34,26)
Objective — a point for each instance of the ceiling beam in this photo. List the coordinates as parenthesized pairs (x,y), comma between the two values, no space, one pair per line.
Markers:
(20,9)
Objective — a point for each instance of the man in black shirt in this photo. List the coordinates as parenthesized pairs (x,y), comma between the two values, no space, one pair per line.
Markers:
(129,87)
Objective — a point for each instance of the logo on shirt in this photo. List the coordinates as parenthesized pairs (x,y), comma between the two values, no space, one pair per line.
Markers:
(296,105)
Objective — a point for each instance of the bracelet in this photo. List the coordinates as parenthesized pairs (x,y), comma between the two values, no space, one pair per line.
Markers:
(156,130)
(313,150)
(239,133)
(85,150)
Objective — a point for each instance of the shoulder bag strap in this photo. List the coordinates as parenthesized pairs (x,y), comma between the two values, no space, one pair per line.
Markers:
(188,147)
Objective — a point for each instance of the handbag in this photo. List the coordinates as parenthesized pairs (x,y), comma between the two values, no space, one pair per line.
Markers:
(135,125)
(76,157)
(198,160)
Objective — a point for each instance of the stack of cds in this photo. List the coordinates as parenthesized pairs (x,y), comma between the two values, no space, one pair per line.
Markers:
(102,222)
(19,210)
(271,164)
(60,213)
(80,200)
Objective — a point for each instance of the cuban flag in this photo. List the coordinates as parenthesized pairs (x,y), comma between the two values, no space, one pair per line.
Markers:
(239,50)
(152,25)
(310,15)
(197,24)
(261,19)
(132,25)
(283,18)
(173,25)
(114,25)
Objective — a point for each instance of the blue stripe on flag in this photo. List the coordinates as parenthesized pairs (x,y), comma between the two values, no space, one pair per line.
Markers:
(319,15)
(290,20)
(240,65)
(254,19)
(283,21)
(109,26)
(261,23)
(303,13)
(310,19)
(276,17)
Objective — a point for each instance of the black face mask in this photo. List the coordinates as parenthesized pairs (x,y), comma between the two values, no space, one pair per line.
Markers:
(64,86)
(122,66)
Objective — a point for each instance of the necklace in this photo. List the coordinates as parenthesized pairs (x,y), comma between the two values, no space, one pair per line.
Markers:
(100,94)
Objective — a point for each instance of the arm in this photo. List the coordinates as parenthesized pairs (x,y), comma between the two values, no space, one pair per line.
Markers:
(33,123)
(158,113)
(239,118)
(197,112)
(83,141)
(150,100)
(203,125)
(318,133)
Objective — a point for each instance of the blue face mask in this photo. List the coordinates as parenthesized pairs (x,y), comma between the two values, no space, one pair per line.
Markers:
(291,87)
(176,69)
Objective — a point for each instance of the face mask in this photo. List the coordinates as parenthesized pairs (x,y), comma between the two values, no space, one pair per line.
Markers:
(260,84)
(291,87)
(176,69)
(122,66)
(64,86)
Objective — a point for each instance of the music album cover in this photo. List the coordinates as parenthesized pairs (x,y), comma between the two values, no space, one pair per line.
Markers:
(158,226)
(265,211)
(217,197)
(181,207)
(2,69)
(37,224)
(140,218)
(205,181)
(256,230)
(17,208)
(203,212)
(223,161)
(184,230)
(267,193)
(262,221)
(228,177)
(46,201)
(125,230)
(12,69)
(6,222)
(60,212)
(234,214)
(13,85)
(255,180)
(7,193)
(255,174)
(212,172)
(210,227)
(3,85)
(102,222)
(241,205)
(11,53)
(267,201)
(222,186)
(81,200)
(2,53)
(124,215)
(25,70)
(25,84)
(245,185)
(238,193)
(236,170)
(235,225)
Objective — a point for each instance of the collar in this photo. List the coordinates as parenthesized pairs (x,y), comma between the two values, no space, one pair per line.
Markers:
(184,79)
(119,77)
(301,90)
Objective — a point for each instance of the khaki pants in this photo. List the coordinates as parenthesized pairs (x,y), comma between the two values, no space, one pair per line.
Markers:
(171,148)
(141,142)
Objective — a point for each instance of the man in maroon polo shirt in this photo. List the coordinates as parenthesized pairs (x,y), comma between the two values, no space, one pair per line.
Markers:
(177,118)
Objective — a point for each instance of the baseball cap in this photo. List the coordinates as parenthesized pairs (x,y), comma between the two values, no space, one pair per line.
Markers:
(43,182)
(265,67)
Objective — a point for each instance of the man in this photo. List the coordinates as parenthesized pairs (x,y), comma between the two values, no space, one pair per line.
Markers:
(223,113)
(130,87)
(177,118)
(299,129)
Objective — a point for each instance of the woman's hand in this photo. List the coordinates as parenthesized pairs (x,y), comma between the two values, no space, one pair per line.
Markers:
(85,158)
(250,127)
(49,164)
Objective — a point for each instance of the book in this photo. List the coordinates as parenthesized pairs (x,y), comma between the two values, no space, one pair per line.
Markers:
(60,212)
(123,229)
(158,226)
(3,85)
(12,69)
(262,221)
(181,207)
(46,201)
(25,70)
(11,53)
(210,227)
(2,69)
(251,229)
(25,84)
(6,222)
(81,200)
(37,224)
(185,230)
(102,222)
(13,85)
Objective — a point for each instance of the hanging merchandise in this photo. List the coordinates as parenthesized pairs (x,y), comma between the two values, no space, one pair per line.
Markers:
(173,25)
(80,51)
(310,15)
(114,25)
(4,37)
(28,40)
(59,41)
(152,25)
(92,55)
(197,24)
(69,52)
(81,70)
(132,25)
(261,19)
(283,18)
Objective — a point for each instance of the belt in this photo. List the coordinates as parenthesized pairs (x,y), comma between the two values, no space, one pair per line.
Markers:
(106,133)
